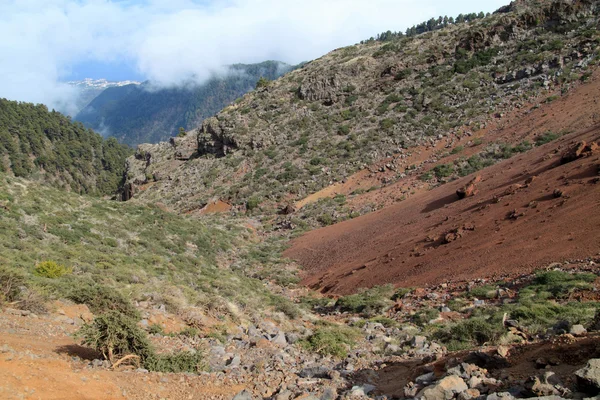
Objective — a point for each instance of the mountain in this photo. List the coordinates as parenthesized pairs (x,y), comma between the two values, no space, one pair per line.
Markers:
(48,147)
(89,89)
(453,174)
(143,113)
(300,139)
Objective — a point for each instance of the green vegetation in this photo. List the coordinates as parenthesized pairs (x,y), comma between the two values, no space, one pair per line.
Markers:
(368,301)
(49,147)
(141,114)
(541,304)
(332,340)
(117,336)
(122,252)
(50,269)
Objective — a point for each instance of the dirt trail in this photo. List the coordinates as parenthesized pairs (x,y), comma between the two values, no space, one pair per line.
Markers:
(510,227)
(39,359)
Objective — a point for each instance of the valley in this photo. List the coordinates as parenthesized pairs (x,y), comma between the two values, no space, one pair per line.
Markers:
(411,217)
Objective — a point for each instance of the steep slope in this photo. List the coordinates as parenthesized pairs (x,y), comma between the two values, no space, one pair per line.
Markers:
(88,89)
(529,211)
(49,147)
(143,113)
(361,104)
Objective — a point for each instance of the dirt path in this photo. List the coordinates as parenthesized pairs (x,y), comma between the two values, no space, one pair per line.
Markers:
(39,359)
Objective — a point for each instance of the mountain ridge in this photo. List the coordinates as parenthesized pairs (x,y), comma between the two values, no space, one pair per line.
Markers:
(145,113)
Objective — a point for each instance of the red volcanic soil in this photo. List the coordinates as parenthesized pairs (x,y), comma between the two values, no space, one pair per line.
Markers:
(529,211)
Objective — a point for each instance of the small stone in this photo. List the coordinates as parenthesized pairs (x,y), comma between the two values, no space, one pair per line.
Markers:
(578,330)
(419,341)
(363,390)
(243,395)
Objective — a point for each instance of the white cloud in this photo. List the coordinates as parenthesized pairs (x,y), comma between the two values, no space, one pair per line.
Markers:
(170,40)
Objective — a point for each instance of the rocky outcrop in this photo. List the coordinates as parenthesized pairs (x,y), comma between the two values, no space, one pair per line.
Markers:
(469,189)
(579,150)
(214,138)
(588,378)
(320,88)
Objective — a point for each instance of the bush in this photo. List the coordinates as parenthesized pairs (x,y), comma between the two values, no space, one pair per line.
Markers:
(10,283)
(116,335)
(50,269)
(369,301)
(546,138)
(252,203)
(474,331)
(332,340)
(101,299)
(262,82)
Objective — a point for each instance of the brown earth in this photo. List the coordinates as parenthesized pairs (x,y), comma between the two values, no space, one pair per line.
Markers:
(511,226)
(40,359)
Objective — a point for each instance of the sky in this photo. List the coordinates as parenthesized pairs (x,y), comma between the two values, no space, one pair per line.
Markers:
(48,42)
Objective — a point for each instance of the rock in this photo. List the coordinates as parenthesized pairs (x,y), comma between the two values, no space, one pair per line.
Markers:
(330,393)
(445,389)
(588,378)
(469,394)
(579,150)
(363,390)
(469,189)
(314,372)
(243,395)
(425,379)
(284,395)
(500,396)
(279,339)
(577,330)
(419,341)
(503,350)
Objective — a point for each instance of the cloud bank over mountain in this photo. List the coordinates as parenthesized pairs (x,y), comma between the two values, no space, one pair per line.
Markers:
(170,42)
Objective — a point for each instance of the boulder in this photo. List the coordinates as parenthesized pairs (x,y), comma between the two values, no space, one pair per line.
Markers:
(243,395)
(469,189)
(588,378)
(445,389)
(579,150)
(578,330)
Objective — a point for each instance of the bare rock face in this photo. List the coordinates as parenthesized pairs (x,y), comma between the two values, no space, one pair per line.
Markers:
(214,138)
(320,88)
(184,147)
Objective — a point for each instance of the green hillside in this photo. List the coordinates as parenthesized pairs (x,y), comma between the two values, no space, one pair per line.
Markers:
(47,146)
(137,114)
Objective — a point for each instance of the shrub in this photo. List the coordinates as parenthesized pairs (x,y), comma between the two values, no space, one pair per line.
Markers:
(443,171)
(101,299)
(546,138)
(10,283)
(474,331)
(262,82)
(252,203)
(50,269)
(331,340)
(116,335)
(368,301)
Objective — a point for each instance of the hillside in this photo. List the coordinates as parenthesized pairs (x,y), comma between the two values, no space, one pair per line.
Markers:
(143,113)
(357,106)
(529,212)
(88,89)
(48,147)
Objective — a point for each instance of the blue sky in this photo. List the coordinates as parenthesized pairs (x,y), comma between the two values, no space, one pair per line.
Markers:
(47,42)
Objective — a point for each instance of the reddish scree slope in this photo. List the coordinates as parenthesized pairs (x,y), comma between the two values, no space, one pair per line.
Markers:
(394,245)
